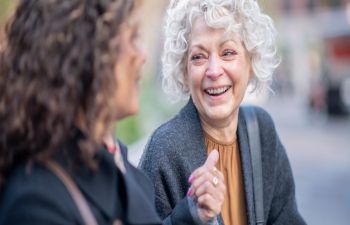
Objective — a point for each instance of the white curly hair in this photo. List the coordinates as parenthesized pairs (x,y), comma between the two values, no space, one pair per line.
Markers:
(239,17)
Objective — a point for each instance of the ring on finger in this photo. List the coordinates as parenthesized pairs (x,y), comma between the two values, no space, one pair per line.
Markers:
(215,180)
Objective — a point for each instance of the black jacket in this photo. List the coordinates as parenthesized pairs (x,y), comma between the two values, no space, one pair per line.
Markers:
(34,195)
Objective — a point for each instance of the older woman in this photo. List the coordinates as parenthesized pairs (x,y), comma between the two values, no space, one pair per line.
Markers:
(69,69)
(213,50)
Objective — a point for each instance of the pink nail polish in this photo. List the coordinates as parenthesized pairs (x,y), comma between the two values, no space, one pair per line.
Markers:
(189,192)
(191,179)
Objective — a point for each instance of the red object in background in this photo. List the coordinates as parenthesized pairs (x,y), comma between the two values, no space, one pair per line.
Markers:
(339,47)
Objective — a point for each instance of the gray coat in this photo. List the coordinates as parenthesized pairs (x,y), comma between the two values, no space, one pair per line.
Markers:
(177,148)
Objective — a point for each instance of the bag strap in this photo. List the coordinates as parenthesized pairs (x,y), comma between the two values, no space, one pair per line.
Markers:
(255,154)
(79,200)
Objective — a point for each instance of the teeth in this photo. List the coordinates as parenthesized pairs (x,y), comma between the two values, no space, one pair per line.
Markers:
(217,91)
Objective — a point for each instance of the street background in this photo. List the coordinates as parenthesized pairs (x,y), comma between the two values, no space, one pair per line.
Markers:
(309,103)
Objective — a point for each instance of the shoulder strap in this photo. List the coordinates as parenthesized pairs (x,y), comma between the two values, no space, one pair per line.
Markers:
(255,154)
(74,191)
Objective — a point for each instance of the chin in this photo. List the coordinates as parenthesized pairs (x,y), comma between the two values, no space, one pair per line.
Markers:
(220,113)
(130,111)
(134,108)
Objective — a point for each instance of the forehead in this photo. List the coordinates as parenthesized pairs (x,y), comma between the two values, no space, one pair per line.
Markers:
(201,33)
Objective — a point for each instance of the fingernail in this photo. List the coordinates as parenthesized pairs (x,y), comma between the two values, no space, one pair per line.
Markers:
(190,179)
(189,192)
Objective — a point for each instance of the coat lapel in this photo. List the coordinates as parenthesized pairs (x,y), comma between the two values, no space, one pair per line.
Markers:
(193,134)
(98,186)
(243,142)
(139,195)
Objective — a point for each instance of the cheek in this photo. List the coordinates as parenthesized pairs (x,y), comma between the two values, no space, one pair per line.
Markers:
(194,76)
(240,73)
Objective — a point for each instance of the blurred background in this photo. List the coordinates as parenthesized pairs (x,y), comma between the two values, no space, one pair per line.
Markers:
(310,102)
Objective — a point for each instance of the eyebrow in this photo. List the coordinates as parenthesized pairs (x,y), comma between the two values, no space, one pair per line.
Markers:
(200,46)
(223,42)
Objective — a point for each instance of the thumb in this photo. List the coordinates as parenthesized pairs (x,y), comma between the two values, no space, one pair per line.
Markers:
(212,159)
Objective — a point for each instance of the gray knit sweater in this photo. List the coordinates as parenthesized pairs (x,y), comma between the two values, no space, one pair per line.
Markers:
(177,148)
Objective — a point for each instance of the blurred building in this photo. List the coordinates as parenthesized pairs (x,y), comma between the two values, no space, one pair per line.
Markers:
(314,44)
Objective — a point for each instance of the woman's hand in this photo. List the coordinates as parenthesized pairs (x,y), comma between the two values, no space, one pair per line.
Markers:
(208,188)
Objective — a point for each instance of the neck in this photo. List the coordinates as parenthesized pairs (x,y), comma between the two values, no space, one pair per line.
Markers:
(109,140)
(221,130)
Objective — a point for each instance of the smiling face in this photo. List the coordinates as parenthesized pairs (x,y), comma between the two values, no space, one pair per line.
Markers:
(218,71)
(128,70)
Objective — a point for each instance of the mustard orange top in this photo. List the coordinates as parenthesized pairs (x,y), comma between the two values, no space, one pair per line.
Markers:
(233,209)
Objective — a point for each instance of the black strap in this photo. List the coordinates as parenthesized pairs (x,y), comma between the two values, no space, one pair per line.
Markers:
(255,154)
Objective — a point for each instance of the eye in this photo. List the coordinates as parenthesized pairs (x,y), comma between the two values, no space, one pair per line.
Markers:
(197,57)
(229,53)
(135,36)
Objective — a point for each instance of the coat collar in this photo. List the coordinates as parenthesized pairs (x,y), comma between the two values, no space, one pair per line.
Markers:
(192,132)
(189,119)
(90,183)
(97,186)
(106,185)
(100,188)
(139,193)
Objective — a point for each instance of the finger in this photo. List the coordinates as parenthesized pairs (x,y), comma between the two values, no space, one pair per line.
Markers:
(205,175)
(208,202)
(219,175)
(218,192)
(199,180)
(209,164)
(205,214)
(212,159)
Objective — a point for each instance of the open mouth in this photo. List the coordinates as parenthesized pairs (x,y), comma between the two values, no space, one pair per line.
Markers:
(217,91)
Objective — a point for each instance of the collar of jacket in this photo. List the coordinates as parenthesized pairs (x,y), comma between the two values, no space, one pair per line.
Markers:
(99,186)
(189,119)
(140,208)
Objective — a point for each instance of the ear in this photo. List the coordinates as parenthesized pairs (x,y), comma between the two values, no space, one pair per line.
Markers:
(251,73)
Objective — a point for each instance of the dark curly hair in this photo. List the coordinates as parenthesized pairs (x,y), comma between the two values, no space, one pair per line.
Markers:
(57,71)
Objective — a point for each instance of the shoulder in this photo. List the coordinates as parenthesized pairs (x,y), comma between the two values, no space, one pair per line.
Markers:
(273,151)
(27,195)
(161,144)
(170,144)
(274,155)
(168,133)
(264,119)
(268,132)
(179,129)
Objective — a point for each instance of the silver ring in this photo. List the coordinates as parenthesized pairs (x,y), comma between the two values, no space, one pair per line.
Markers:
(215,180)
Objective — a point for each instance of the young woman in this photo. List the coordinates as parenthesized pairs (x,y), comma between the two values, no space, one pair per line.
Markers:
(69,69)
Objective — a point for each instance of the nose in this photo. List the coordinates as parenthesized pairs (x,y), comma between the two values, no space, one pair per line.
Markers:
(143,57)
(214,69)
(141,54)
